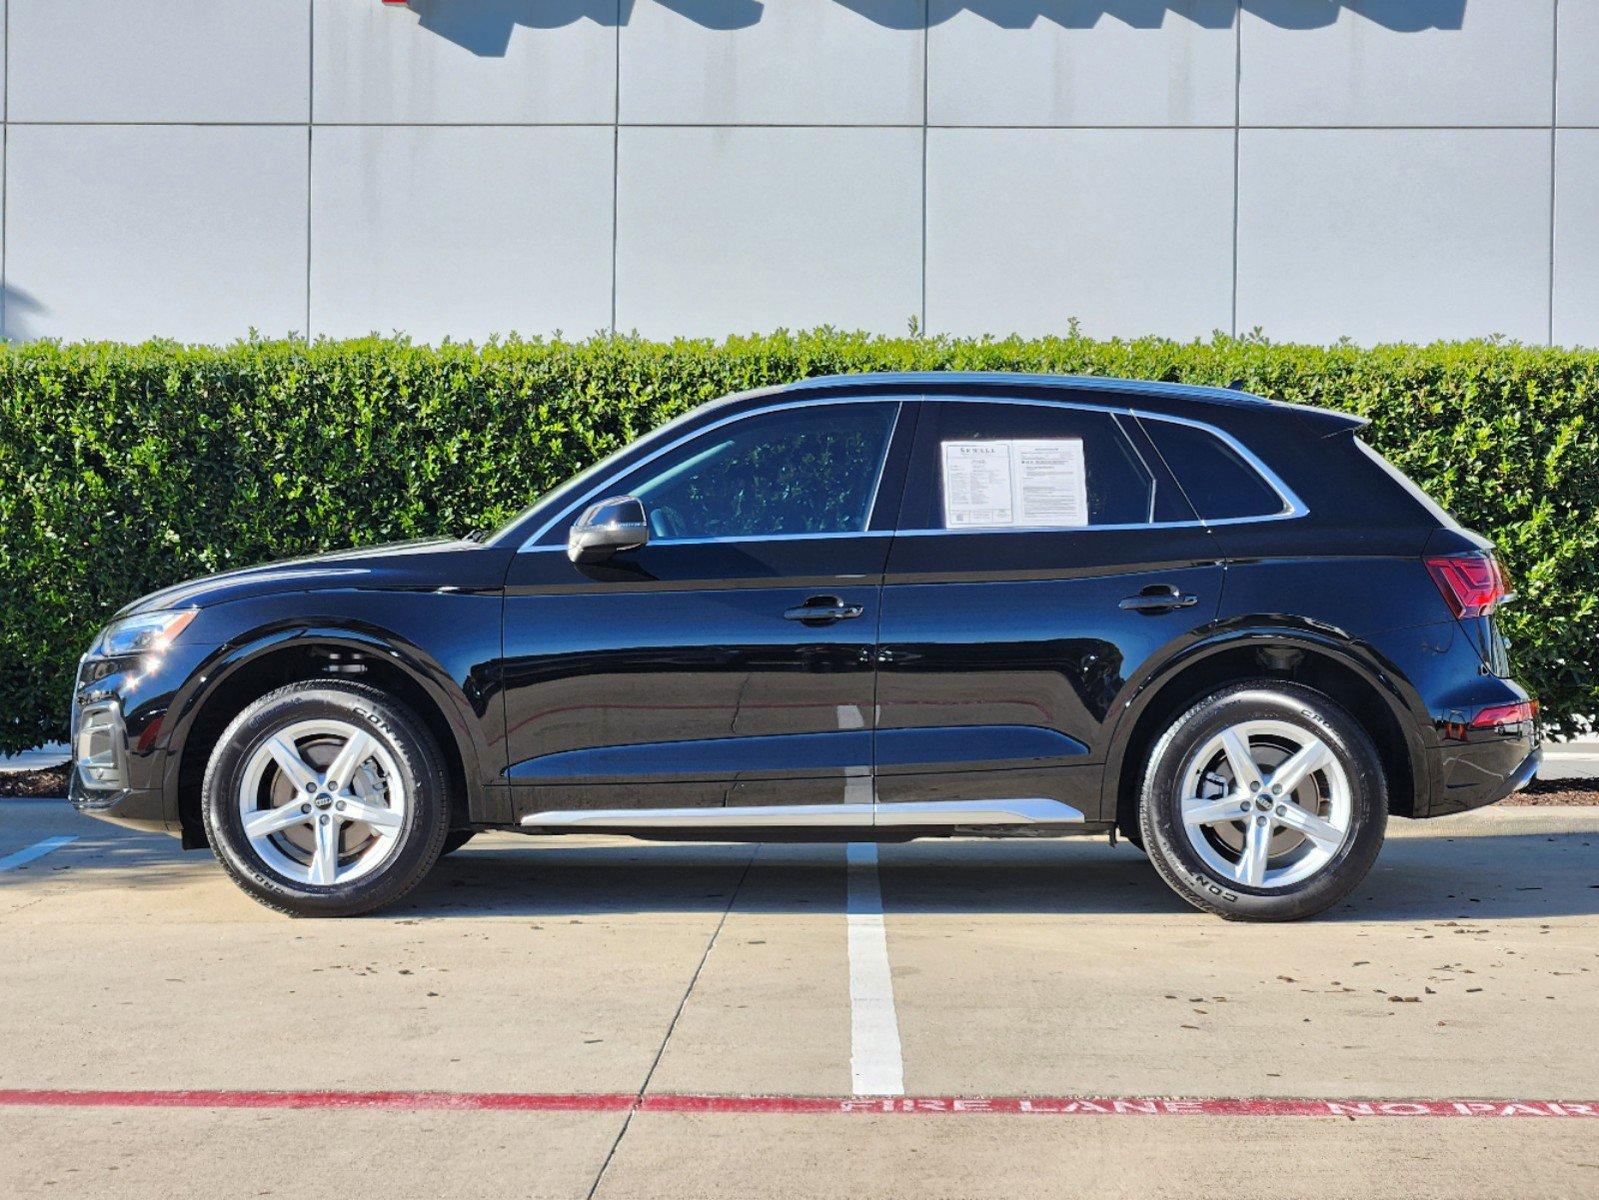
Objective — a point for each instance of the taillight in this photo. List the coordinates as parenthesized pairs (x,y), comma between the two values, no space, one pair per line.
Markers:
(1472,584)
(1501,715)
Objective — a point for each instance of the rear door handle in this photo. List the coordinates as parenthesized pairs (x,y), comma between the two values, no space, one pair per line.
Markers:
(1159,597)
(824,610)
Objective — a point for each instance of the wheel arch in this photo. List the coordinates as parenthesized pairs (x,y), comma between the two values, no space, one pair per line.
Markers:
(249,668)
(1378,698)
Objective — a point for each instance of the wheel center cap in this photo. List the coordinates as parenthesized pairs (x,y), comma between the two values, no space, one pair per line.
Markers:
(1262,803)
(323,800)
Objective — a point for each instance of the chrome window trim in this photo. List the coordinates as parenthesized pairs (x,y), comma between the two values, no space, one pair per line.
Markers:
(718,541)
(899,411)
(1293,507)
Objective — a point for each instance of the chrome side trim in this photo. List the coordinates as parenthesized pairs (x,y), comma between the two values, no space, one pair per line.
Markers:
(819,816)
(978,812)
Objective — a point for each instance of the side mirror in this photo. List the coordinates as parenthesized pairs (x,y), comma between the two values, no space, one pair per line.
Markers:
(607,528)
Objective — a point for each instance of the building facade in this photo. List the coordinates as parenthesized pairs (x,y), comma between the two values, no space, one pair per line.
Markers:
(1371,169)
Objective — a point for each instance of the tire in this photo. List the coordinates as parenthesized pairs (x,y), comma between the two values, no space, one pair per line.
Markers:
(303,851)
(1270,862)
(456,839)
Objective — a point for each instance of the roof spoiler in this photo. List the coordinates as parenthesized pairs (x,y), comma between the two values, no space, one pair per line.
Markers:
(1322,422)
(1325,422)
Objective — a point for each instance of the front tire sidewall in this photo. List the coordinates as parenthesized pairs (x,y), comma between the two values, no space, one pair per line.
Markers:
(1160,803)
(420,838)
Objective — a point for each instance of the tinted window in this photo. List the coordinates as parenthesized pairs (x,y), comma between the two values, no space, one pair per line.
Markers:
(1118,484)
(1219,484)
(799,470)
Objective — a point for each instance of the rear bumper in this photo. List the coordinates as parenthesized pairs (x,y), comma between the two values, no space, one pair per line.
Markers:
(1477,780)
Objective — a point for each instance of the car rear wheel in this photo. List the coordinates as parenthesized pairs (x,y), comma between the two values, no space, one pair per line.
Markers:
(1265,801)
(326,799)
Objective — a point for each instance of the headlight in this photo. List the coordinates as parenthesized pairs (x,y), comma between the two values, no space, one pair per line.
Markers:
(150,631)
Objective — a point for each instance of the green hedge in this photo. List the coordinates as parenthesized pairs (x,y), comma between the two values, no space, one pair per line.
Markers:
(123,468)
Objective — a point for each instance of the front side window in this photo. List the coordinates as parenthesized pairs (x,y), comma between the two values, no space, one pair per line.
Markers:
(810,470)
(997,466)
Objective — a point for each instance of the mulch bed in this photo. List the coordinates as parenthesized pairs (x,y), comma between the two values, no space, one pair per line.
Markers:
(1540,792)
(52,781)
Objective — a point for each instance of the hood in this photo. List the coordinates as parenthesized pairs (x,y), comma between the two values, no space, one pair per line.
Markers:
(408,566)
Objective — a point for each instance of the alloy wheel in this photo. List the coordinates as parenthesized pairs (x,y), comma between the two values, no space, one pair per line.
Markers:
(322,802)
(1265,804)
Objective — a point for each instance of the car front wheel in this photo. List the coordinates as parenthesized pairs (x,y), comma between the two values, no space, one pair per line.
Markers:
(326,799)
(1265,801)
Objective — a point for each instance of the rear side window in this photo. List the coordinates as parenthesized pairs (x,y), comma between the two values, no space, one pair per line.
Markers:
(1218,482)
(991,466)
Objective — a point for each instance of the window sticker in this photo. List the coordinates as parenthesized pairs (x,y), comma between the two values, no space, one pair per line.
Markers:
(1025,483)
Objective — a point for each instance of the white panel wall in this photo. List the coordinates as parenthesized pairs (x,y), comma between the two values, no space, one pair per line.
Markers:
(1434,62)
(1126,230)
(726,230)
(471,62)
(1576,281)
(134,232)
(1359,233)
(158,60)
(1319,168)
(1579,62)
(1002,63)
(802,62)
(406,236)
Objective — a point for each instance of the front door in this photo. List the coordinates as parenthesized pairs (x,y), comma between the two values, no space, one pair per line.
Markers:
(1044,554)
(730,660)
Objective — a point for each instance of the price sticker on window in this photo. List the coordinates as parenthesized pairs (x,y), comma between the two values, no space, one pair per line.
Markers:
(1022,483)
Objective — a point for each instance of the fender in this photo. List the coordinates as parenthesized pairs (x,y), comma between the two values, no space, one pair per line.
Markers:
(465,725)
(1406,704)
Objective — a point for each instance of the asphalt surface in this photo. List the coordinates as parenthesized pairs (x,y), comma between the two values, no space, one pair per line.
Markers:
(592,973)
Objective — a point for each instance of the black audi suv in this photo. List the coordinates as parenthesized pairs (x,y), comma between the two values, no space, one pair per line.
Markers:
(872,607)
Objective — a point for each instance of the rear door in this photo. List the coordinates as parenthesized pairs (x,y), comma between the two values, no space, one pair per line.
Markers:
(729,661)
(1043,555)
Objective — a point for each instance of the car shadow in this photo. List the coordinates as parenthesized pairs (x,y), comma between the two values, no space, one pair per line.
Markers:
(1481,876)
(1458,870)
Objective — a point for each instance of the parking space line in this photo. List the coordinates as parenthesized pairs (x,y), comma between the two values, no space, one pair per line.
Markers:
(678,1102)
(876,1065)
(37,850)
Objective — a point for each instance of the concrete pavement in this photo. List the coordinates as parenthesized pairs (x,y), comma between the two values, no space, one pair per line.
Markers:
(1463,968)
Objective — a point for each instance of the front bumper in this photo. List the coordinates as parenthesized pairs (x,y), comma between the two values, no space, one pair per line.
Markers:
(120,735)
(137,808)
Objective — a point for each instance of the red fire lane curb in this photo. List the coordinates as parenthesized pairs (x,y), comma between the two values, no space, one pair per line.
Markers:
(1109,1106)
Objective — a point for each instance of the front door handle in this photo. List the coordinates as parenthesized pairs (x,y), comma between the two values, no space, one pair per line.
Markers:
(1159,597)
(824,610)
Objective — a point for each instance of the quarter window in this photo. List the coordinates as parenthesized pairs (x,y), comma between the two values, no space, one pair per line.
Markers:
(792,471)
(1032,466)
(1218,482)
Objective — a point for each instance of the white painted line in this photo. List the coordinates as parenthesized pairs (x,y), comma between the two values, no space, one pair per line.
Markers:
(876,1066)
(37,850)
